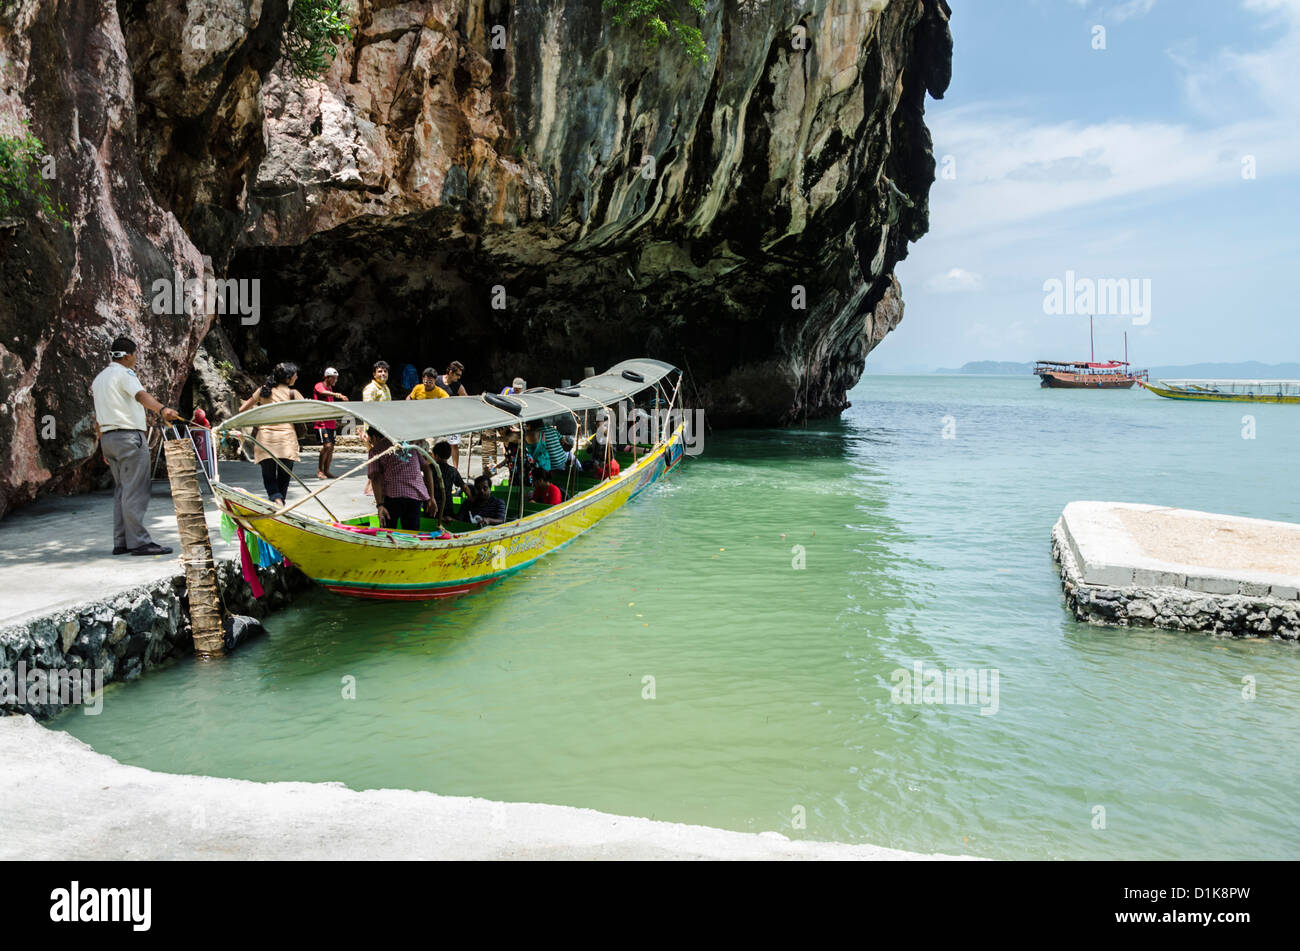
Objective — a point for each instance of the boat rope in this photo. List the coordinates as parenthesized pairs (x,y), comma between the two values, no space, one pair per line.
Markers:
(696,390)
(270,455)
(311,494)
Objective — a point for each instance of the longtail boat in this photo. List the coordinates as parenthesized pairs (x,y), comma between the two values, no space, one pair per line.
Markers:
(358,557)
(1228,391)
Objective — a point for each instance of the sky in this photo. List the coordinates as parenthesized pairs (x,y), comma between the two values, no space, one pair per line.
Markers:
(1165,149)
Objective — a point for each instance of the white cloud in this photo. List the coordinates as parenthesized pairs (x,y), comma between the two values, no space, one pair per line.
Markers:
(1014,168)
(1121,195)
(1261,81)
(956,281)
(1131,10)
(1110,242)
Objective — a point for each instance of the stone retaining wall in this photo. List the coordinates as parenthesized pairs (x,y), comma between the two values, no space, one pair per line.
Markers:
(1177,608)
(127,634)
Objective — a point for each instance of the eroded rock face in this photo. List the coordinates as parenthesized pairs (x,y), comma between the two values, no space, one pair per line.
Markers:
(66,292)
(741,219)
(429,172)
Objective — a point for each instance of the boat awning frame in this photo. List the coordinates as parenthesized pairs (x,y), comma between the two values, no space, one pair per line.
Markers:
(1109,365)
(409,420)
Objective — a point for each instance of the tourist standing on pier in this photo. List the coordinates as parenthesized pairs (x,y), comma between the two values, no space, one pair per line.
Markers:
(376,390)
(450,382)
(427,388)
(327,428)
(120,404)
(276,445)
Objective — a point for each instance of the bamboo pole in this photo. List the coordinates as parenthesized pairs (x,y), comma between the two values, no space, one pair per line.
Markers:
(196,548)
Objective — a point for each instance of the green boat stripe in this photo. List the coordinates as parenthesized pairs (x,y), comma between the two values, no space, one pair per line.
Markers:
(477,579)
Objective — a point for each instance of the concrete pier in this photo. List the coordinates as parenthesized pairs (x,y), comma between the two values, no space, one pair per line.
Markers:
(58,552)
(1124,563)
(73,609)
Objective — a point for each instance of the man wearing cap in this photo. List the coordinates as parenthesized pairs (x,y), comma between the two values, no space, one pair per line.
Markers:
(327,428)
(120,404)
(515,388)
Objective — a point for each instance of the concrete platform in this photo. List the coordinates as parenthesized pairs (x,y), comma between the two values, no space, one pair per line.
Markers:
(1123,543)
(1179,568)
(60,799)
(58,551)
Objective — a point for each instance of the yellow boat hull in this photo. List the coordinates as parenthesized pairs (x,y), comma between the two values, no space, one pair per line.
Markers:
(397,565)
(1208,397)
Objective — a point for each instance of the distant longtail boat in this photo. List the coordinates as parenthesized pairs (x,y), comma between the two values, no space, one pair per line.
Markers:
(1228,391)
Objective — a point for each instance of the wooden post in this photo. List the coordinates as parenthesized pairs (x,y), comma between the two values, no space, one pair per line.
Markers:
(196,548)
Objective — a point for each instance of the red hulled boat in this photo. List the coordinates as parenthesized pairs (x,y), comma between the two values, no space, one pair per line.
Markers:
(1110,375)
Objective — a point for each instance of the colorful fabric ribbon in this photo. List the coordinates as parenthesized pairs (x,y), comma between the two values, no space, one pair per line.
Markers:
(246,566)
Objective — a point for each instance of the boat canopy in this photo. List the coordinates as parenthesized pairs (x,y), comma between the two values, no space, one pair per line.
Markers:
(407,420)
(1236,387)
(1109,365)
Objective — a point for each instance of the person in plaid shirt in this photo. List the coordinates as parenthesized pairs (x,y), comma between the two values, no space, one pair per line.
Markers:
(403,485)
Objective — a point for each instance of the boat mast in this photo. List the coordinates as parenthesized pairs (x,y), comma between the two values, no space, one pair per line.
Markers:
(1092,346)
(1126,348)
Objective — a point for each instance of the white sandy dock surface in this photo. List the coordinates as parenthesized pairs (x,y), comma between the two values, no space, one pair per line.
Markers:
(59,799)
(1120,544)
(58,551)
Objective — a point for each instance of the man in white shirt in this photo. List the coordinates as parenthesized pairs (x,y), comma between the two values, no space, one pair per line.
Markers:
(120,403)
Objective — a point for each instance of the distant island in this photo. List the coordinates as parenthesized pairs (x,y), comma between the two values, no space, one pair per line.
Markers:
(1250,370)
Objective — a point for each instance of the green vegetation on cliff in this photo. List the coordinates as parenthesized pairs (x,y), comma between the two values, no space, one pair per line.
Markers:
(658,20)
(314,27)
(22,158)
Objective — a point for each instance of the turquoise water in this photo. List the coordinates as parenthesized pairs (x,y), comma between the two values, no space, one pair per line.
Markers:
(771,685)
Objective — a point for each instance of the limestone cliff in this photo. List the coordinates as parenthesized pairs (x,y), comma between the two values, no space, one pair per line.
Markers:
(519,185)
